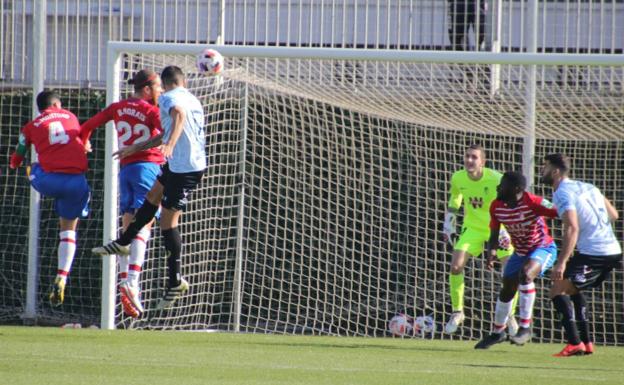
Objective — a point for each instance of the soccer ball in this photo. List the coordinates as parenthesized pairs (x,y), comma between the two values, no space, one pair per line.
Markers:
(400,325)
(210,62)
(424,324)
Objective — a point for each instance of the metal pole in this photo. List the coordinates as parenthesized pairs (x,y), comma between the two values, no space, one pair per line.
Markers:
(240,225)
(528,149)
(39,68)
(111,171)
(221,35)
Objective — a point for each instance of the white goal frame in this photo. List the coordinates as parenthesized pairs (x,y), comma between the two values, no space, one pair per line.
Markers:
(115,50)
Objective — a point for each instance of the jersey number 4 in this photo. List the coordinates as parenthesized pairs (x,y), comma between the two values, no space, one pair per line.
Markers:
(125,131)
(57,134)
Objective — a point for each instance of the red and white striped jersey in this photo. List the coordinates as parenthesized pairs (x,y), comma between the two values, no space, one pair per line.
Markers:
(525,222)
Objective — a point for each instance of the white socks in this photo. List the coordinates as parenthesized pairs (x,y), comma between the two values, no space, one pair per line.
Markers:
(138,247)
(525,303)
(66,251)
(501,315)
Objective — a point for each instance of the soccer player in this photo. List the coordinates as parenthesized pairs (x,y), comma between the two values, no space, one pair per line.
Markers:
(136,120)
(523,214)
(59,174)
(587,224)
(182,117)
(475,185)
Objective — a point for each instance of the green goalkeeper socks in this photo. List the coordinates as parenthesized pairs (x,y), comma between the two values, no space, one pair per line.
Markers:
(457,291)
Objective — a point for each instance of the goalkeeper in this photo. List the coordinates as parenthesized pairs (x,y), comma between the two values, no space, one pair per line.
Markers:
(475,185)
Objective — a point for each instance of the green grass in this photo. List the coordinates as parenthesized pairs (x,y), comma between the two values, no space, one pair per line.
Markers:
(66,356)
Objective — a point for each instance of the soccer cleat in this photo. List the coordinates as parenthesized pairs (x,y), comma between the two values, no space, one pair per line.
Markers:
(492,339)
(130,300)
(111,248)
(512,326)
(572,350)
(172,294)
(589,348)
(57,294)
(457,318)
(522,336)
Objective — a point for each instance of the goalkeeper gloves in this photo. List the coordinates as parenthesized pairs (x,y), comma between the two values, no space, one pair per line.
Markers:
(16,160)
(450,222)
(504,240)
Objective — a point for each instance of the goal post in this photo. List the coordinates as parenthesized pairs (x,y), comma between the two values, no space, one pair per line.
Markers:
(328,174)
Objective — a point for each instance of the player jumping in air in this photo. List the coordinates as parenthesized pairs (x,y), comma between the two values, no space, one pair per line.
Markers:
(475,186)
(587,224)
(59,174)
(137,120)
(182,117)
(523,214)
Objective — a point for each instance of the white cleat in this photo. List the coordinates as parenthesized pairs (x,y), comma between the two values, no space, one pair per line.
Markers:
(111,248)
(512,326)
(172,294)
(457,318)
(130,296)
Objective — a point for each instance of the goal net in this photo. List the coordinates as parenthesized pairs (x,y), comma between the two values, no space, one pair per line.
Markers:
(328,178)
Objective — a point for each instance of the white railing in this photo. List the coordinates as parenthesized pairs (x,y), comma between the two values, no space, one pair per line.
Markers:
(77,30)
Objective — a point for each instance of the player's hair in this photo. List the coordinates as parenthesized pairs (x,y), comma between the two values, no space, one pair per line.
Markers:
(143,78)
(515,178)
(46,98)
(560,161)
(478,147)
(172,75)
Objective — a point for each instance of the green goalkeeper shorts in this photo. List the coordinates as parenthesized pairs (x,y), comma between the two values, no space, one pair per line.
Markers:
(473,242)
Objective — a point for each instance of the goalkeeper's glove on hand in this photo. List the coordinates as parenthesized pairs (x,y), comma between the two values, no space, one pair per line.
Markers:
(504,240)
(448,229)
(16,160)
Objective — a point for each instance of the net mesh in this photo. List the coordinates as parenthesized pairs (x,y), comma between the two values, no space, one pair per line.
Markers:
(346,168)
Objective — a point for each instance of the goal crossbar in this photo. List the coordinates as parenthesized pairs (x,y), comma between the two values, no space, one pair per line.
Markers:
(452,57)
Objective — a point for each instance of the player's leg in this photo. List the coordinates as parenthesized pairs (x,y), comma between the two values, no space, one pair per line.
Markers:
(539,261)
(560,293)
(139,178)
(176,193)
(583,323)
(505,250)
(470,243)
(503,304)
(71,202)
(143,216)
(582,272)
(512,324)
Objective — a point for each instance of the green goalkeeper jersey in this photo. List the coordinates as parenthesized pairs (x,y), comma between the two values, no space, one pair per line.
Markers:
(477,196)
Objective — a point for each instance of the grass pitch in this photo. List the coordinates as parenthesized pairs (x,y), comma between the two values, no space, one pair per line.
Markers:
(81,356)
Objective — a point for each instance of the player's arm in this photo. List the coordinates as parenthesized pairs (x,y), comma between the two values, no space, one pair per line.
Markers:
(178,117)
(17,158)
(99,119)
(137,147)
(570,237)
(492,245)
(611,211)
(450,216)
(543,207)
(566,206)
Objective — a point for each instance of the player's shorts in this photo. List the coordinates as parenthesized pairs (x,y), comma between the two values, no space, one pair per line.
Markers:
(473,242)
(587,271)
(177,187)
(135,180)
(71,192)
(545,256)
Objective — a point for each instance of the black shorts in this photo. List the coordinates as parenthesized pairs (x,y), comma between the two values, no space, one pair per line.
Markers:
(177,187)
(587,271)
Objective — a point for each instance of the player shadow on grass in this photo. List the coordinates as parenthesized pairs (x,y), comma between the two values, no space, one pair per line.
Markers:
(354,346)
(495,366)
